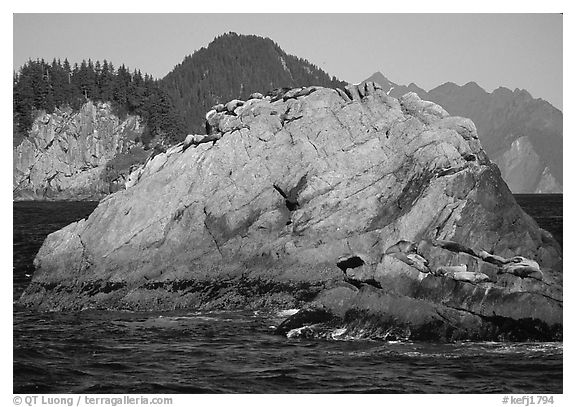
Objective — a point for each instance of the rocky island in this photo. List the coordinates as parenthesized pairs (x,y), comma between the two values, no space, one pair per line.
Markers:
(377,217)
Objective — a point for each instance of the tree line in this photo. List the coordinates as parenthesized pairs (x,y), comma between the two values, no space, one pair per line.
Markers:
(42,86)
(234,66)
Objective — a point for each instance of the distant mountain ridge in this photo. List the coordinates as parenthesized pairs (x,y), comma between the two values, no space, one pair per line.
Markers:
(521,134)
(234,66)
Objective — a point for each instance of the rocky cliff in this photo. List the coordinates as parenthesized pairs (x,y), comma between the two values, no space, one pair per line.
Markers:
(521,134)
(379,217)
(82,155)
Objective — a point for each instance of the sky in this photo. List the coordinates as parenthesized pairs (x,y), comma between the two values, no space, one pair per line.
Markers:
(512,50)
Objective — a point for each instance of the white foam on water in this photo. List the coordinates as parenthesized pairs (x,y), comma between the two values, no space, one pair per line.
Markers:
(337,333)
(287,312)
(294,333)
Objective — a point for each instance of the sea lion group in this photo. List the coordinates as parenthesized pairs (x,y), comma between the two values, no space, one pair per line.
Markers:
(196,139)
(410,253)
(288,93)
(212,117)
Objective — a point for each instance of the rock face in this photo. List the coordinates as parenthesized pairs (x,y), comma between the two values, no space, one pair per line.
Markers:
(65,156)
(521,134)
(380,217)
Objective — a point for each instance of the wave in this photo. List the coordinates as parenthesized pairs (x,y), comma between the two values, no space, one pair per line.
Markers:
(287,312)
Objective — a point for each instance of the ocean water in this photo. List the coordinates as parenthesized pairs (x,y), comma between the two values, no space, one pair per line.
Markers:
(237,352)
(545,209)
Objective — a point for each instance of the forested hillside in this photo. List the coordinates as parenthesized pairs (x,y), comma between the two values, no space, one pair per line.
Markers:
(42,86)
(234,66)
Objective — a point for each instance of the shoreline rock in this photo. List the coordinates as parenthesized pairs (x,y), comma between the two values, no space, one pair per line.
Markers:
(298,203)
(82,155)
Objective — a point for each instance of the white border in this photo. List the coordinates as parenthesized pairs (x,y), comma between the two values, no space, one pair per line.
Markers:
(228,6)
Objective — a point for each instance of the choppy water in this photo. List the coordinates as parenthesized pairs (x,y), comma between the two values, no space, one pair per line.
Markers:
(190,352)
(546,209)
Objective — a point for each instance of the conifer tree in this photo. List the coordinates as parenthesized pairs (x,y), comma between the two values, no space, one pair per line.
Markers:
(105,81)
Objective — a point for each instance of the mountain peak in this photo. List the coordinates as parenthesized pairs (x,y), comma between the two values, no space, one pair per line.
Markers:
(233,66)
(380,79)
(472,85)
(378,75)
(473,88)
(522,93)
(502,91)
(231,37)
(447,87)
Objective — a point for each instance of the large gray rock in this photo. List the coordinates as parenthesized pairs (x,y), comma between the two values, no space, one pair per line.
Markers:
(66,153)
(303,202)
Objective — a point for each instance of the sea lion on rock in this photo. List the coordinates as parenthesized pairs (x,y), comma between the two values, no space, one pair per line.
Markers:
(370,88)
(212,123)
(403,246)
(219,107)
(256,95)
(413,260)
(443,270)
(418,262)
(467,276)
(195,139)
(291,93)
(362,90)
(523,267)
(206,138)
(233,104)
(134,177)
(343,95)
(277,94)
(298,92)
(211,119)
(188,141)
(308,90)
(352,92)
(210,113)
(406,252)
